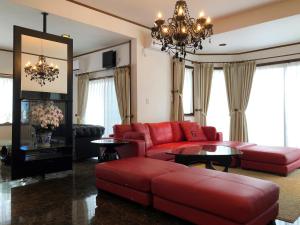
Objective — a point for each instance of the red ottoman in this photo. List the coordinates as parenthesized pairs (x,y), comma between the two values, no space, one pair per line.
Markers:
(210,197)
(131,178)
(279,160)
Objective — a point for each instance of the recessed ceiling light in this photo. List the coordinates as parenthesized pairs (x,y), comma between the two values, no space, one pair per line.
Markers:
(222,45)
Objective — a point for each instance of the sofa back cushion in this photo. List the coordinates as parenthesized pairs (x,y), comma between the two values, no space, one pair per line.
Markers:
(161,133)
(193,131)
(143,128)
(178,134)
(120,130)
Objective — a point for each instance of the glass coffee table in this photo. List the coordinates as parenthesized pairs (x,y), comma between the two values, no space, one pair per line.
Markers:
(207,154)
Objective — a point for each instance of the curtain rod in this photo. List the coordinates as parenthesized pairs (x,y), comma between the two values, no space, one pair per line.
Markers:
(6,75)
(101,78)
(96,71)
(271,57)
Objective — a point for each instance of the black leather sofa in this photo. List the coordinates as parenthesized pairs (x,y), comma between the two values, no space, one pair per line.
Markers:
(82,137)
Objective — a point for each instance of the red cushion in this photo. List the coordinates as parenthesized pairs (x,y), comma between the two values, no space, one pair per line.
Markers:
(161,132)
(235,197)
(135,172)
(272,155)
(143,128)
(210,133)
(178,134)
(120,130)
(193,131)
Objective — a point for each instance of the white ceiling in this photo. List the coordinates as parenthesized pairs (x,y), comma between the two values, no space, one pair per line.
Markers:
(264,35)
(145,11)
(86,38)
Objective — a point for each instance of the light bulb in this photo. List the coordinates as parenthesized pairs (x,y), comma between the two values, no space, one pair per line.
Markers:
(159,16)
(208,20)
(56,66)
(165,30)
(180,11)
(40,62)
(201,14)
(183,30)
(199,27)
(51,64)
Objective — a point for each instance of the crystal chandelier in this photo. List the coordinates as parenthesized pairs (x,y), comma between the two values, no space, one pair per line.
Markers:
(181,32)
(41,72)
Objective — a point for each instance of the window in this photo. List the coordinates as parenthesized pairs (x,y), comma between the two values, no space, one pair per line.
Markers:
(187,95)
(273,111)
(218,114)
(102,107)
(6,92)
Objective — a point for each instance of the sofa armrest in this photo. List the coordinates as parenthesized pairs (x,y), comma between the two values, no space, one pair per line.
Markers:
(210,133)
(132,149)
(219,136)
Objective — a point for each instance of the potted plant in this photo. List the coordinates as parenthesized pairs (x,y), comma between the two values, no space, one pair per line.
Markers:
(45,118)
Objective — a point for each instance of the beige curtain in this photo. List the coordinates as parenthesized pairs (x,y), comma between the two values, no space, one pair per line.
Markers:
(83,90)
(178,81)
(122,85)
(238,77)
(203,73)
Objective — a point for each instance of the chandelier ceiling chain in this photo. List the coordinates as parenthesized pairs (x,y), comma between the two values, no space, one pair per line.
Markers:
(181,32)
(41,72)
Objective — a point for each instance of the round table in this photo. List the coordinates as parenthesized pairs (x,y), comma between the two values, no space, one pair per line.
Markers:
(107,151)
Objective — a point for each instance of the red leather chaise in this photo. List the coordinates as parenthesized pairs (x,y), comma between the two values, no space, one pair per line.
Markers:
(201,196)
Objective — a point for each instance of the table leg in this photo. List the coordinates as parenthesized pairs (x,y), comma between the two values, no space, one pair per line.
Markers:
(108,154)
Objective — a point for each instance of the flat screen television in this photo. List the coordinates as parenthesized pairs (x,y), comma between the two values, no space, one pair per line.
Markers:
(109,59)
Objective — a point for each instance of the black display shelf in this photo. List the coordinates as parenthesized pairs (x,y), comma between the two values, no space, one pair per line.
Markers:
(28,159)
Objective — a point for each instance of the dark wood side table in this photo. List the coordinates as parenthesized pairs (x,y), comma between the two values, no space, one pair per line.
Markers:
(107,151)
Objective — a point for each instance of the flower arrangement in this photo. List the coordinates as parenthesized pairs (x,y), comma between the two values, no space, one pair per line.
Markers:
(46,116)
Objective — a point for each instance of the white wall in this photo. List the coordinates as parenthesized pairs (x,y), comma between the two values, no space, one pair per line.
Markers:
(154,99)
(6,67)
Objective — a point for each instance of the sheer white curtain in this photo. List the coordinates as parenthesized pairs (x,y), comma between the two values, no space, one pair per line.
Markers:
(187,99)
(102,106)
(6,92)
(218,114)
(266,107)
(292,104)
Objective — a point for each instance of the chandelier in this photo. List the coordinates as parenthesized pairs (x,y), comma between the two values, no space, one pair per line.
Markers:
(41,71)
(181,32)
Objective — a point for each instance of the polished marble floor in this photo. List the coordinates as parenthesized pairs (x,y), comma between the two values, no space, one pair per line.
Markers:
(71,198)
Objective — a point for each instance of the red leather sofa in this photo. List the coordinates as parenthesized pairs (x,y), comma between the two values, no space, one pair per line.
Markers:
(153,140)
(200,196)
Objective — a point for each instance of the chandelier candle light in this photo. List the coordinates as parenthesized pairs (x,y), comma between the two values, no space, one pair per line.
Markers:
(181,32)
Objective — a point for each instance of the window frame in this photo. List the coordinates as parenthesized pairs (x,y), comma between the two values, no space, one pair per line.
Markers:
(193,88)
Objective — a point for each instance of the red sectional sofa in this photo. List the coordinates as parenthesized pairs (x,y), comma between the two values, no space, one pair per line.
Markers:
(153,140)
(200,196)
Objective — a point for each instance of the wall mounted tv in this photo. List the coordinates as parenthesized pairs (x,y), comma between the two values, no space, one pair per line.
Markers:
(109,59)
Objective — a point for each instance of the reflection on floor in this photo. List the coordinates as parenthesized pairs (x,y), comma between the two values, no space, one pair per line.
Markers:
(71,198)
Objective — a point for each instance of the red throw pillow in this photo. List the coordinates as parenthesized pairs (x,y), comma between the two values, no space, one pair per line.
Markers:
(178,134)
(193,131)
(143,128)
